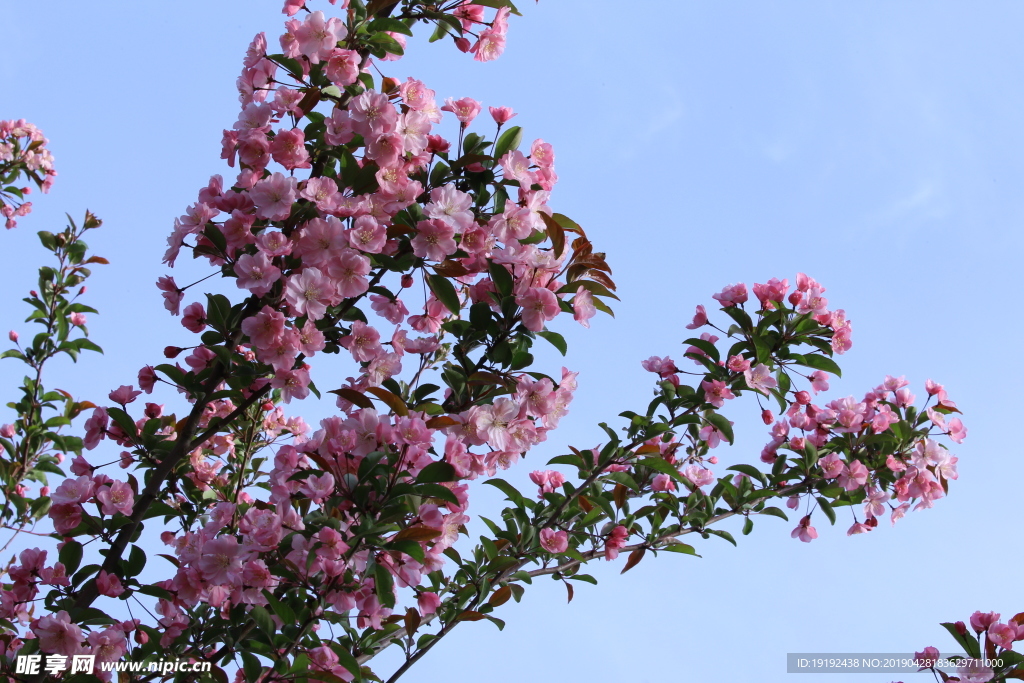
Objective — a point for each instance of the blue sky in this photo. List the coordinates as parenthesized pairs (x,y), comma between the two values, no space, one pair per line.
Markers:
(875,146)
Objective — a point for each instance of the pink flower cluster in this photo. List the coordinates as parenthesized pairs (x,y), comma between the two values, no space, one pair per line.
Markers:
(22,151)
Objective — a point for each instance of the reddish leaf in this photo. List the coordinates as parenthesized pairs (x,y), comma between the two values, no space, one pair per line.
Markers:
(392,400)
(619,494)
(569,590)
(500,596)
(470,615)
(634,559)
(354,397)
(417,533)
(441,421)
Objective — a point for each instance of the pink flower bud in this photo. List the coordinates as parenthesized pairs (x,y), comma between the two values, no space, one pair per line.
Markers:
(141,637)
(171,351)
(501,115)
(463,44)
(767,417)
(803,398)
(13,336)
(7,431)
(407,280)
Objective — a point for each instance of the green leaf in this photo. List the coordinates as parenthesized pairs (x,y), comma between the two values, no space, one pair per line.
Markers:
(662,466)
(722,425)
(498,4)
(750,471)
(722,534)
(388,24)
(705,346)
(71,556)
(436,472)
(557,340)
(508,141)
(136,562)
(251,666)
(279,608)
(826,507)
(502,278)
(774,512)
(263,620)
(680,548)
(813,360)
(445,292)
(968,642)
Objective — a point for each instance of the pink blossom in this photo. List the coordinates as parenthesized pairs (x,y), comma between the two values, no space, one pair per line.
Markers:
(1002,635)
(317,36)
(289,149)
(292,383)
(57,634)
(109,585)
(615,542)
(256,273)
(716,392)
(819,381)
(548,481)
(95,428)
(858,528)
(367,235)
(349,272)
(433,240)
(854,476)
(118,497)
(342,67)
(465,109)
(194,319)
(220,562)
(264,328)
(363,342)
(124,394)
(274,197)
(974,671)
(77,319)
(539,305)
(738,364)
(171,294)
(980,621)
(957,431)
(760,378)
(147,379)
(309,293)
(926,658)
(319,488)
(700,318)
(501,115)
(554,542)
(774,291)
(583,307)
(428,603)
(451,206)
(804,531)
(731,295)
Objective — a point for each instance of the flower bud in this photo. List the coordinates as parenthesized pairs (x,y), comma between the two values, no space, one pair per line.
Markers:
(7,431)
(141,637)
(171,351)
(13,336)
(407,280)
(767,417)
(803,398)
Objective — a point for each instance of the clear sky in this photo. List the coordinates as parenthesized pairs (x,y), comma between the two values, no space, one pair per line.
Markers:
(876,146)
